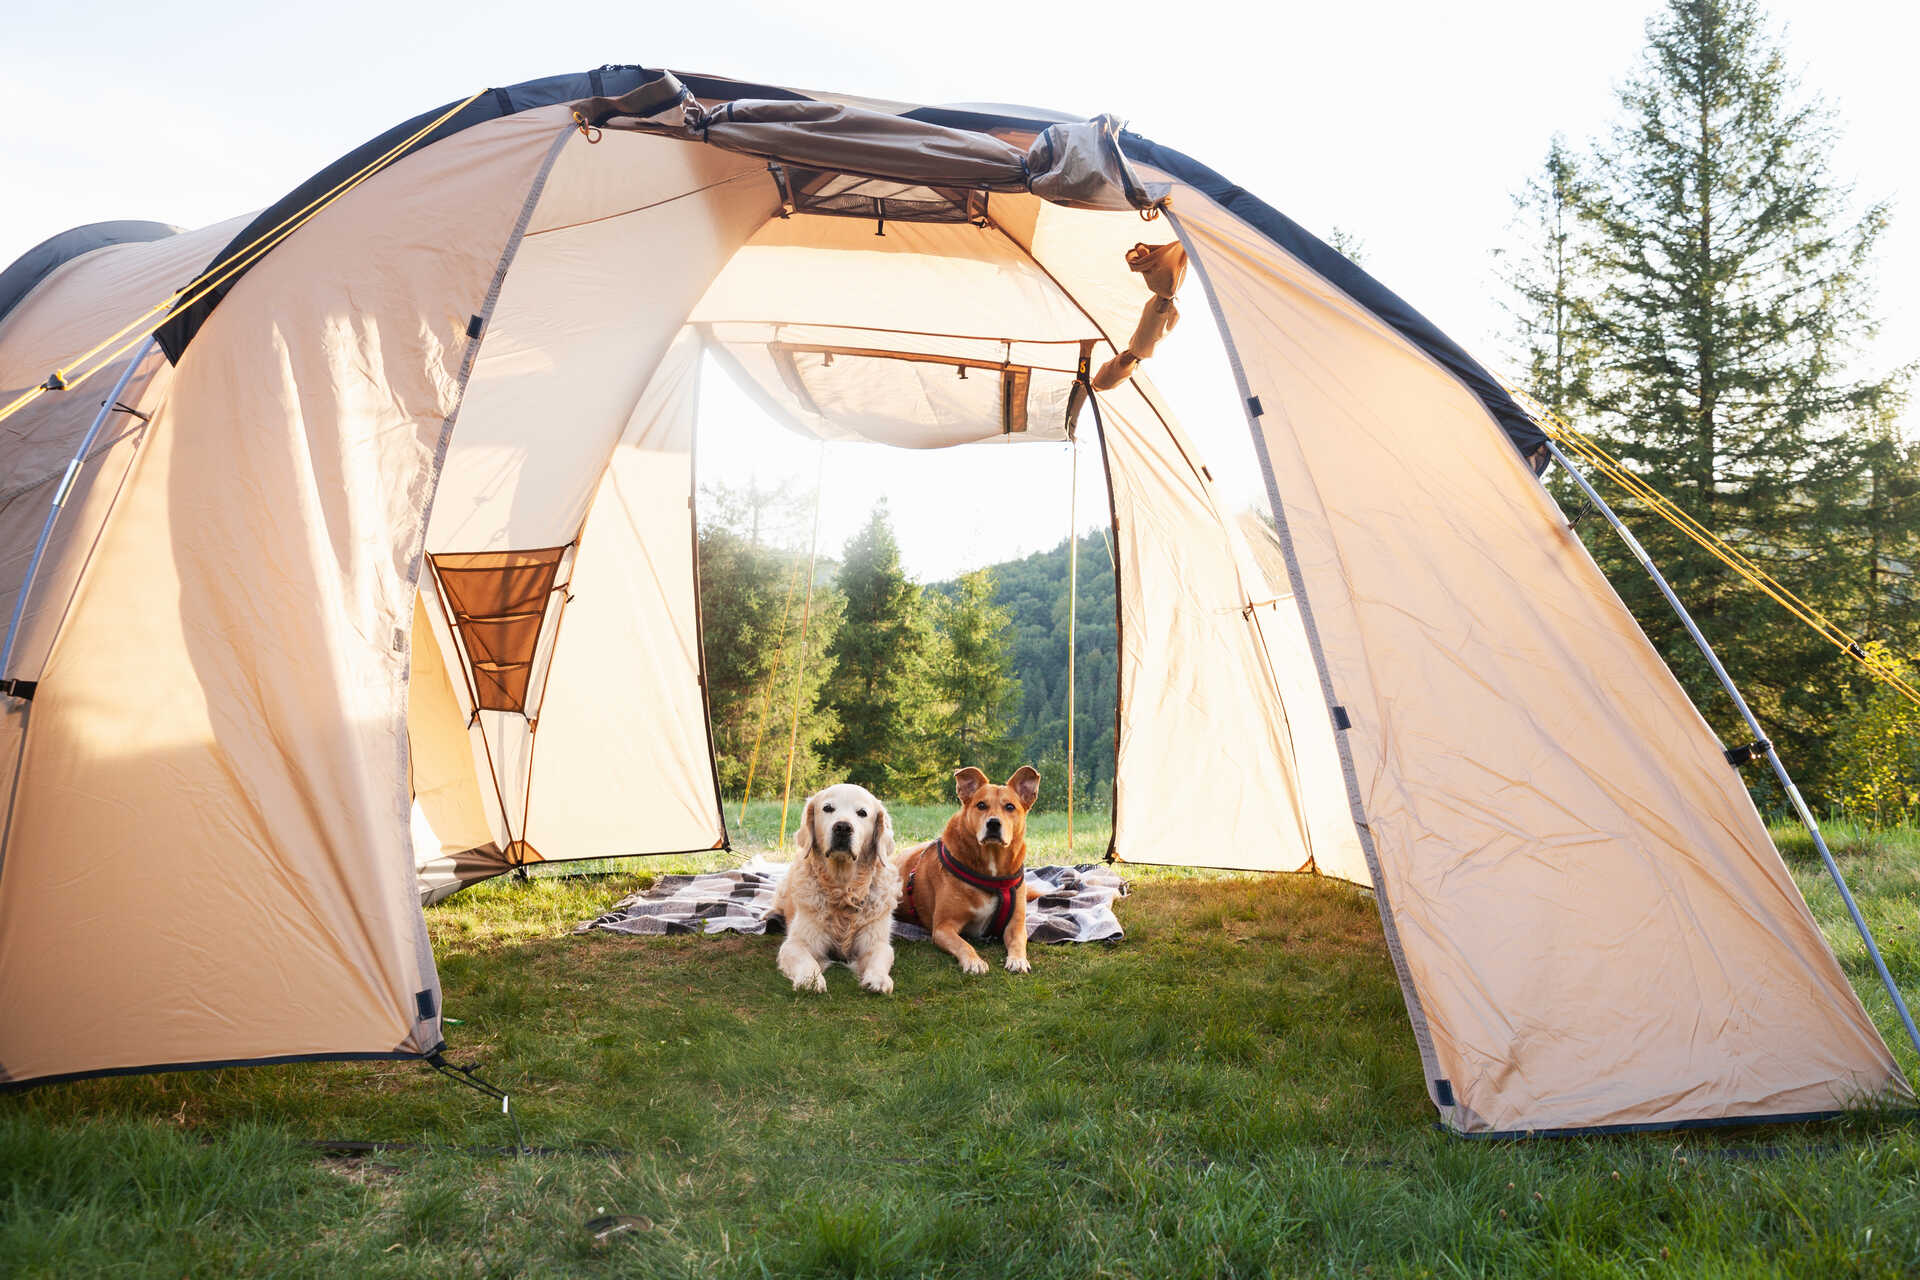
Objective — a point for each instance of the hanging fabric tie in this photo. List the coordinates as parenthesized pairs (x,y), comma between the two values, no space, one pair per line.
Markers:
(1163,266)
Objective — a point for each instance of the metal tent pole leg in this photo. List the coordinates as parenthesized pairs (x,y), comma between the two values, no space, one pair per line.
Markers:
(1760,738)
(60,495)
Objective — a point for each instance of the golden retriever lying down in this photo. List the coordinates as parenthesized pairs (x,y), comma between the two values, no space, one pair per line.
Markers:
(839,896)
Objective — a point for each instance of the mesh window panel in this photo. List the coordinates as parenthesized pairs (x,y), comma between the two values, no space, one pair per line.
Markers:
(851,196)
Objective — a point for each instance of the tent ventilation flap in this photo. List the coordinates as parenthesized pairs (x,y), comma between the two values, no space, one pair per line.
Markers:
(849,195)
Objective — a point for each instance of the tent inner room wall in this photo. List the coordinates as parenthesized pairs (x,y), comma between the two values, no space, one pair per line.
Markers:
(923,317)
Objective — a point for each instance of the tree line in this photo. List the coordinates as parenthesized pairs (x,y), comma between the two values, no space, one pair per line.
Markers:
(1694,290)
(876,679)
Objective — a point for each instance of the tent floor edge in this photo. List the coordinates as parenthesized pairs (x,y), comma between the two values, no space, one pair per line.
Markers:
(1675,1126)
(220,1064)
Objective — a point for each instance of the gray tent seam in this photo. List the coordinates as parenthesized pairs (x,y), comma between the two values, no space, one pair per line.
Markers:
(423,945)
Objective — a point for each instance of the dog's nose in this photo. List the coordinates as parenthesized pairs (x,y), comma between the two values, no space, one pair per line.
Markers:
(843,828)
(993,826)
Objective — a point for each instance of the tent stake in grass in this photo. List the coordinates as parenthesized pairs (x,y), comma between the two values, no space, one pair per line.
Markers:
(1761,745)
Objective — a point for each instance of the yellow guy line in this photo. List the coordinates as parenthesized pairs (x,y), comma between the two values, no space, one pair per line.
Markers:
(213,277)
(1616,470)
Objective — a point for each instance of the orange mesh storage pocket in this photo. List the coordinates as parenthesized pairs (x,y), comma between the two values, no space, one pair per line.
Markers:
(498,600)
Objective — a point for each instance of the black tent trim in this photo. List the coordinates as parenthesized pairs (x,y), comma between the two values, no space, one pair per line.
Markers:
(41,261)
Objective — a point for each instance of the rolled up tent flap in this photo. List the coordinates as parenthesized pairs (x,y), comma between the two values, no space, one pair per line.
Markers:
(1078,165)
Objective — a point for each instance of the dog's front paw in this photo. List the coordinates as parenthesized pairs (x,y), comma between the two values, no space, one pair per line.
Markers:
(880,982)
(973,964)
(1018,964)
(815,981)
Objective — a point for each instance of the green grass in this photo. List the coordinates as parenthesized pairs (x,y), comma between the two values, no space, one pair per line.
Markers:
(1231,1091)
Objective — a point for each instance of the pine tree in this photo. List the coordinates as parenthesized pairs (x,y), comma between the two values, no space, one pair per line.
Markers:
(752,596)
(1348,245)
(880,685)
(1546,275)
(1730,293)
(975,679)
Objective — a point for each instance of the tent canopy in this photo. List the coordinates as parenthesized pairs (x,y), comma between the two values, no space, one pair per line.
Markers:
(382,578)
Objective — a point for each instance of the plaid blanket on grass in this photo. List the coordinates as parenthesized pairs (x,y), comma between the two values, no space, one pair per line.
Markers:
(1078,906)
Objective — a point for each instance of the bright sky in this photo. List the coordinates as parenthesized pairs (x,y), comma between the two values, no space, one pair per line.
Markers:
(1405,124)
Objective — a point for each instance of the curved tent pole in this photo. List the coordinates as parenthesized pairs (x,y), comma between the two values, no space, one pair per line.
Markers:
(60,496)
(1761,746)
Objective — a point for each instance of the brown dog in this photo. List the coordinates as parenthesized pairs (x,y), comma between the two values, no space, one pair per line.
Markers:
(972,880)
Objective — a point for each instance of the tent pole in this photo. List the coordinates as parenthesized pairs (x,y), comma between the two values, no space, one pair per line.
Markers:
(1073,611)
(800,663)
(60,496)
(1761,743)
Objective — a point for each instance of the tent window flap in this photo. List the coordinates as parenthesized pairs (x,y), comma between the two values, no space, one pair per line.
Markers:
(973,389)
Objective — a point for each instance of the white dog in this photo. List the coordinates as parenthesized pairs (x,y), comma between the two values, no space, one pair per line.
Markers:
(838,897)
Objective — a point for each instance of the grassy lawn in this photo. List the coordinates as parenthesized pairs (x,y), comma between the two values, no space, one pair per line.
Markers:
(1233,1090)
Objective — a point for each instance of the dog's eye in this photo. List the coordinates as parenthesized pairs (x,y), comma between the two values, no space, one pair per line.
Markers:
(827,807)
(982,806)
(1008,808)
(859,813)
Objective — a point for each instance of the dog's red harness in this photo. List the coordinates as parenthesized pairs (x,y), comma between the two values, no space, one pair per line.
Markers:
(1002,889)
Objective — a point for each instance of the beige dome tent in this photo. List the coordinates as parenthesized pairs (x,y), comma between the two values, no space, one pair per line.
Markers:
(376,574)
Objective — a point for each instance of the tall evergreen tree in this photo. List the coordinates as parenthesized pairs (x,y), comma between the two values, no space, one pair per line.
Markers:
(975,679)
(1547,275)
(752,595)
(1730,295)
(879,685)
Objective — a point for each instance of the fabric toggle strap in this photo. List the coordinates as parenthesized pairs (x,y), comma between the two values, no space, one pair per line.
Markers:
(1737,756)
(1004,889)
(21,689)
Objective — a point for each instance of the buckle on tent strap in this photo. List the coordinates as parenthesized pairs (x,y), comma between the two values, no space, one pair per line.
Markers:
(21,689)
(1737,756)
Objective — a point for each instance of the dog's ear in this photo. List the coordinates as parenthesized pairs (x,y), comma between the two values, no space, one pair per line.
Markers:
(967,781)
(1025,783)
(880,839)
(803,837)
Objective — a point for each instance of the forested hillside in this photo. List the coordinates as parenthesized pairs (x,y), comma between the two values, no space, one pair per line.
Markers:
(1033,591)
